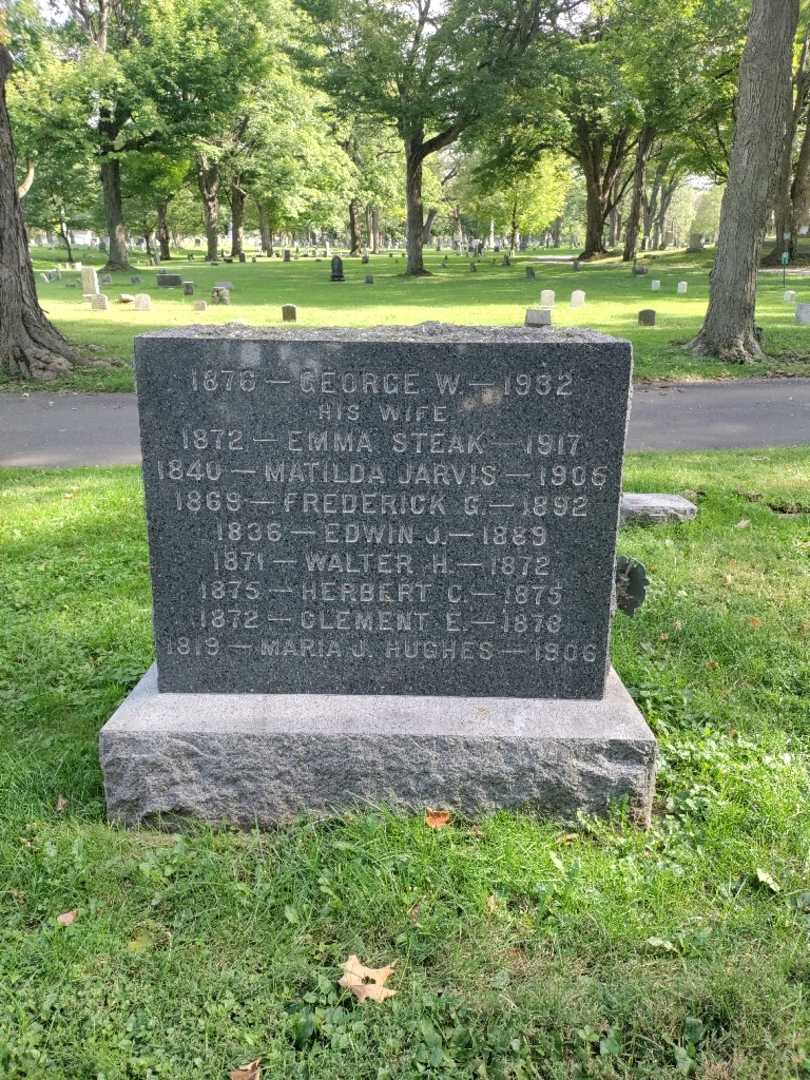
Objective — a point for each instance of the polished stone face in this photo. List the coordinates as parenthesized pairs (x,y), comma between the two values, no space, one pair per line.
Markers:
(416,510)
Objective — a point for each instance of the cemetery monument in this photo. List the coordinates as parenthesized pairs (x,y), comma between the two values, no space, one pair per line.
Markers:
(383,573)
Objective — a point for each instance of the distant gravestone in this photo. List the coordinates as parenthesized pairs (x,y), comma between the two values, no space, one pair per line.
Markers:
(224,285)
(336,269)
(530,273)
(639,268)
(220,295)
(369,279)
(134,279)
(547,298)
(200,305)
(655,285)
(253,258)
(242,257)
(803,314)
(696,243)
(89,281)
(422,606)
(646,317)
(473,268)
(100,302)
(106,279)
(537,317)
(169,281)
(577,298)
(364,258)
(143,302)
(683,288)
(289,313)
(655,509)
(287,255)
(188,288)
(790,296)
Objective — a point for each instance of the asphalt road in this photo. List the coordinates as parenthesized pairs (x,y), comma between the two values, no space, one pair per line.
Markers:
(68,429)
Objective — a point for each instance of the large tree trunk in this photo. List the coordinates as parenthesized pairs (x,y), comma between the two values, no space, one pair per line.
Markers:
(374,234)
(237,218)
(30,347)
(164,235)
(354,227)
(118,253)
(645,141)
(595,213)
(762,113)
(413,200)
(208,181)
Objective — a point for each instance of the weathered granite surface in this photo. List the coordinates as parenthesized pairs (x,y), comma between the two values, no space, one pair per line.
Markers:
(655,509)
(266,758)
(414,510)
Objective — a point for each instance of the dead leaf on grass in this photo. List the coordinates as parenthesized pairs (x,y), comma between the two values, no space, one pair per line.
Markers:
(367,984)
(251,1071)
(492,903)
(755,623)
(437,819)
(766,879)
(743,523)
(66,918)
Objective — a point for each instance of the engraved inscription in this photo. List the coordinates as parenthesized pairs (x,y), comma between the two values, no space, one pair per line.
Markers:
(363,525)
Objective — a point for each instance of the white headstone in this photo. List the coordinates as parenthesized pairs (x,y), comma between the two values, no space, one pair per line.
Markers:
(682,287)
(803,314)
(655,284)
(790,296)
(200,305)
(538,317)
(547,298)
(578,298)
(143,302)
(100,302)
(89,281)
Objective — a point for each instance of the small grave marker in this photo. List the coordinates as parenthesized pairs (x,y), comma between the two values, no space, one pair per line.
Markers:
(200,305)
(289,313)
(547,298)
(577,298)
(655,284)
(100,302)
(803,314)
(646,317)
(188,288)
(336,269)
(89,281)
(683,288)
(143,302)
(537,317)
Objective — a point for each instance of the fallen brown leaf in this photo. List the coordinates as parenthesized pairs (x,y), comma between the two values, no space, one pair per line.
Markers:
(61,804)
(743,523)
(567,838)
(755,623)
(492,903)
(437,819)
(66,918)
(712,665)
(367,984)
(251,1071)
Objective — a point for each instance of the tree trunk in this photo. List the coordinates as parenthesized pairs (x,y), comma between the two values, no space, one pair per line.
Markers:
(427,228)
(30,347)
(374,235)
(237,218)
(413,199)
(645,141)
(594,218)
(354,227)
(613,228)
(264,228)
(800,193)
(785,217)
(208,181)
(164,236)
(64,232)
(762,111)
(118,254)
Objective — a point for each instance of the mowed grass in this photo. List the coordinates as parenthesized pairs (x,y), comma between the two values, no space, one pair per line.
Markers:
(494,295)
(524,948)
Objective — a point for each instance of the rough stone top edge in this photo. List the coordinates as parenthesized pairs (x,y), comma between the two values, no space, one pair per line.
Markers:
(441,333)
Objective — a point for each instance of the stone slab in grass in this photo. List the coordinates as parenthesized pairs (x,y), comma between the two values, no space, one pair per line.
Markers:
(655,509)
(260,759)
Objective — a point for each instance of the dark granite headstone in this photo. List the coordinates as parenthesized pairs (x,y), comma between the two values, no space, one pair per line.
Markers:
(646,317)
(420,510)
(336,269)
(167,281)
(242,257)
(188,288)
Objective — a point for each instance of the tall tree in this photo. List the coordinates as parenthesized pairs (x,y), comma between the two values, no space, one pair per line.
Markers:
(429,69)
(29,345)
(763,108)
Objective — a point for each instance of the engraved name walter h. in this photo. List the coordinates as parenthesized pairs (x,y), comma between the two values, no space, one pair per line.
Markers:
(416,515)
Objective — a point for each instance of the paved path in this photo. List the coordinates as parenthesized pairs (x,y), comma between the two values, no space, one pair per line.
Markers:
(102,429)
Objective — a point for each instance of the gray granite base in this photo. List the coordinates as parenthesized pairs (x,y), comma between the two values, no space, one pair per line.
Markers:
(261,759)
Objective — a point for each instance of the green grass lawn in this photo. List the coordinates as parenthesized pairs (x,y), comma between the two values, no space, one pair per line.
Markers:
(494,295)
(524,948)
